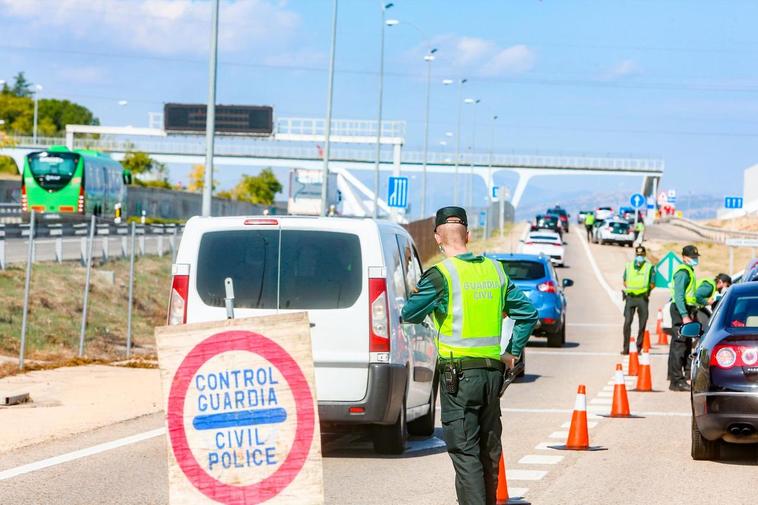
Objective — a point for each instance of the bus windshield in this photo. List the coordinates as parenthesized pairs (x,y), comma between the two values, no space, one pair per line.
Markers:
(52,170)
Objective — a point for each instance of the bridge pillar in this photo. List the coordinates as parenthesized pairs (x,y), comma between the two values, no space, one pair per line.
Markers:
(518,193)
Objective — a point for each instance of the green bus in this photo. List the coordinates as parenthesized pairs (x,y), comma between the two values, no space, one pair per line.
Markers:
(63,182)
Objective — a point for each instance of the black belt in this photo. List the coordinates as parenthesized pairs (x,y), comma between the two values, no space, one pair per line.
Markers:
(474,363)
(644,295)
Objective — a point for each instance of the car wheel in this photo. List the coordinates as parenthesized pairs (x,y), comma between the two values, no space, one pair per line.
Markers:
(556,338)
(601,241)
(390,439)
(424,425)
(702,448)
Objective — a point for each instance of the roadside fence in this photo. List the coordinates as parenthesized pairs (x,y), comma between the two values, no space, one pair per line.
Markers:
(95,241)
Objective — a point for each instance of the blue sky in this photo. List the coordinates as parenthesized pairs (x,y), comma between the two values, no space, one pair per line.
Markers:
(674,79)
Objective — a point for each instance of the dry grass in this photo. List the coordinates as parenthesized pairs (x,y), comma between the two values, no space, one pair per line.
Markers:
(55,310)
(747,223)
(714,258)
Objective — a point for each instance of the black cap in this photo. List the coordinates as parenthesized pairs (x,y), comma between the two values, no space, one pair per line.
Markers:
(450,215)
(724,278)
(690,251)
(640,251)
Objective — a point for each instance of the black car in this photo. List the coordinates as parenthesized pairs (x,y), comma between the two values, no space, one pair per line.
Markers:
(563,216)
(548,222)
(725,374)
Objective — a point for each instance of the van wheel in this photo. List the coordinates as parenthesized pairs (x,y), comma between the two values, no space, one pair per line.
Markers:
(424,425)
(390,439)
(557,338)
(702,448)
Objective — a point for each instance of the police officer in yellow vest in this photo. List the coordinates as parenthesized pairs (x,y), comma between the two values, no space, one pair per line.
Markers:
(468,295)
(639,280)
(684,305)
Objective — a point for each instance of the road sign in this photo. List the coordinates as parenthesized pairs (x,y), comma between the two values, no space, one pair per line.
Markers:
(637,200)
(397,192)
(495,193)
(664,270)
(733,202)
(742,242)
(241,411)
(662,198)
(186,118)
(482,218)
(671,196)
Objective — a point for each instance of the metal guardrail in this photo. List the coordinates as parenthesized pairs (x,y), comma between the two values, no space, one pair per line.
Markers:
(346,127)
(712,233)
(42,229)
(265,148)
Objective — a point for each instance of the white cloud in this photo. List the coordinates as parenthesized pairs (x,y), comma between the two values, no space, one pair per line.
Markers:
(479,56)
(623,68)
(157,26)
(87,74)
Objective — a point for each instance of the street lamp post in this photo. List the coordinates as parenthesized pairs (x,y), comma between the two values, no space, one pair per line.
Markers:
(461,82)
(469,185)
(379,115)
(210,124)
(490,182)
(328,126)
(429,58)
(37,89)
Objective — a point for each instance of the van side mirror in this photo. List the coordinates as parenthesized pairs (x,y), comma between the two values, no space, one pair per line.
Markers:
(691,330)
(567,283)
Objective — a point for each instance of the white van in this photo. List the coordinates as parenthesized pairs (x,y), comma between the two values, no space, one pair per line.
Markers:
(353,277)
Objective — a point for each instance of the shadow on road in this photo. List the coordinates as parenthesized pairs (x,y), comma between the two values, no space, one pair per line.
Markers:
(542,344)
(358,445)
(738,454)
(527,378)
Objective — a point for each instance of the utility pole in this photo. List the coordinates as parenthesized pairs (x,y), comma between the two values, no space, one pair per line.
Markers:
(328,126)
(210,124)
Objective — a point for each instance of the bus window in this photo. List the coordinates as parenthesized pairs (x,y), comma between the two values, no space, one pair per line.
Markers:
(52,171)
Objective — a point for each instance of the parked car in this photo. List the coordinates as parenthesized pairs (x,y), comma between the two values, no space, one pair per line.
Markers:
(352,276)
(615,232)
(750,274)
(536,277)
(582,215)
(545,242)
(724,374)
(626,213)
(547,222)
(563,216)
(595,227)
(603,213)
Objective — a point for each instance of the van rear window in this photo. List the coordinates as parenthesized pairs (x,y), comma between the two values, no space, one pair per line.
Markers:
(316,270)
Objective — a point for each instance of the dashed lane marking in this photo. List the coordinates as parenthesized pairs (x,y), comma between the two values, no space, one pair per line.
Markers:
(539,459)
(544,446)
(601,401)
(559,434)
(517,491)
(605,394)
(525,474)
(533,352)
(612,295)
(590,424)
(81,453)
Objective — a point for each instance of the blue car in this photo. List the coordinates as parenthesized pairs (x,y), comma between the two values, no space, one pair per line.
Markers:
(536,277)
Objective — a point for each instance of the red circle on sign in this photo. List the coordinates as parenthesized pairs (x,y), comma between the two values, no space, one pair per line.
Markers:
(277,356)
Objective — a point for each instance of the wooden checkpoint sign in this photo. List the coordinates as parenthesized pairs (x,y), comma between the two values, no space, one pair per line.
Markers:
(241,411)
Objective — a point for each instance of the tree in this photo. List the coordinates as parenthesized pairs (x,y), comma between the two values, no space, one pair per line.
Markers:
(21,86)
(139,162)
(258,189)
(197,179)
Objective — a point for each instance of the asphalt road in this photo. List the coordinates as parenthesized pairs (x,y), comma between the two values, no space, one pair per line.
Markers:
(671,233)
(647,460)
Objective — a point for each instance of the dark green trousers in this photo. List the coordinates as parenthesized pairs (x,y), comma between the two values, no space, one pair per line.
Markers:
(471,428)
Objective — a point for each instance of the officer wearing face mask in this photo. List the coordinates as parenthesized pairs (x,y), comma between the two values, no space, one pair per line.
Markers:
(639,280)
(683,310)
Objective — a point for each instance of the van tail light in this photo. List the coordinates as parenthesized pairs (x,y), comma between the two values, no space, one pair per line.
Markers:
(547,287)
(24,201)
(177,305)
(732,355)
(379,339)
(80,207)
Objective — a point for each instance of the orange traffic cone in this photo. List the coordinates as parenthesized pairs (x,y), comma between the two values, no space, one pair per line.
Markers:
(620,407)
(634,363)
(663,339)
(644,378)
(646,341)
(578,436)
(502,488)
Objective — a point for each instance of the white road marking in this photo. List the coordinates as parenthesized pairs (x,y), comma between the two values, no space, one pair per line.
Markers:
(540,459)
(605,394)
(590,424)
(559,434)
(516,492)
(595,325)
(533,352)
(81,453)
(601,401)
(590,415)
(610,386)
(525,474)
(544,446)
(599,275)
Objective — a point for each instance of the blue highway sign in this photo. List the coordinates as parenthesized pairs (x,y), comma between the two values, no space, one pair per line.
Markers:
(397,192)
(733,202)
(637,200)
(495,192)
(482,218)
